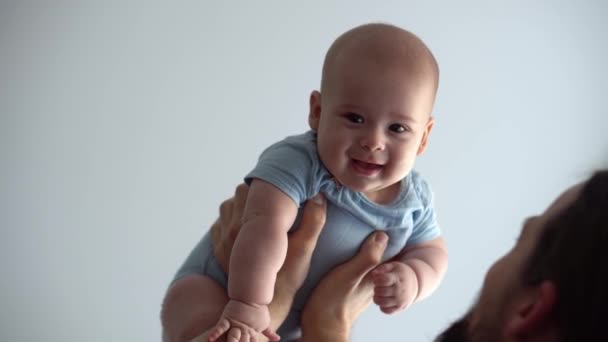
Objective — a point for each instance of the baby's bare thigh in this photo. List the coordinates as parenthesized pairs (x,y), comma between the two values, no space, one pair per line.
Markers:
(192,305)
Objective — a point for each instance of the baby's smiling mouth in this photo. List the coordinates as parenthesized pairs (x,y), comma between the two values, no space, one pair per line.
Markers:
(367,169)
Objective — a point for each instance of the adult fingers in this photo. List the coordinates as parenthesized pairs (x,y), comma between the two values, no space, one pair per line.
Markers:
(304,239)
(343,294)
(226,212)
(301,245)
(369,256)
(240,198)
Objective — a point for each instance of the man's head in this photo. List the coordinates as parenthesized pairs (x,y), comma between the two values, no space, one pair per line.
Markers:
(373,113)
(552,286)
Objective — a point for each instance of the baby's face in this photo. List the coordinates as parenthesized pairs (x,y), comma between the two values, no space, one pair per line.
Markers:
(371,124)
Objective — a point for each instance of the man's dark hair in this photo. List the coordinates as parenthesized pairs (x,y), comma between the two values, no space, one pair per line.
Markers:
(456,332)
(572,252)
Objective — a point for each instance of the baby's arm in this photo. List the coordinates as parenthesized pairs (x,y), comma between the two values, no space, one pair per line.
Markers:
(261,246)
(411,276)
(429,261)
(258,253)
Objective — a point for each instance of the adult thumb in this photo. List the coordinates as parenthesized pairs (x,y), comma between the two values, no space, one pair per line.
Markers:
(369,255)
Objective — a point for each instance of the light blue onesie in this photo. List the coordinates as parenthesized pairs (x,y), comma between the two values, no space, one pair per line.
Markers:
(293,165)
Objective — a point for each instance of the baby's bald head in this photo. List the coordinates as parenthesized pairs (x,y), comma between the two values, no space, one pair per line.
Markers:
(377,94)
(380,45)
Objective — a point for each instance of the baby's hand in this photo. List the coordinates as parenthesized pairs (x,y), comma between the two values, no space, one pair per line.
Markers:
(395,286)
(243,322)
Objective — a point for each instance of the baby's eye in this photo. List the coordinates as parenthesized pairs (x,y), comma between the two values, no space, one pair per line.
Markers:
(397,128)
(354,117)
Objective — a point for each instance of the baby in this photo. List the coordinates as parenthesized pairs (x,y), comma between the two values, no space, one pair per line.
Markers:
(369,122)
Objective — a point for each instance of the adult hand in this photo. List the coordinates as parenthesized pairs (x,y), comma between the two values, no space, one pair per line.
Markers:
(343,294)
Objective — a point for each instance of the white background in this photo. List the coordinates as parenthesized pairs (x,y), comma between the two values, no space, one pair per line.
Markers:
(124,125)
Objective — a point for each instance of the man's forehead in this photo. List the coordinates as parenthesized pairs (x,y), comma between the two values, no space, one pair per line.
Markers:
(564,200)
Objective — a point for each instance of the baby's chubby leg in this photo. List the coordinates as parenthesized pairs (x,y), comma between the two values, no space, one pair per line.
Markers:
(193,305)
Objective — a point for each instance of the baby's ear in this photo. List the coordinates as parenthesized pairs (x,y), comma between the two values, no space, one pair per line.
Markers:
(425,137)
(314,115)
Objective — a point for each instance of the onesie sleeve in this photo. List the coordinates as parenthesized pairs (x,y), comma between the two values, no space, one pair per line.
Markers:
(426,227)
(288,165)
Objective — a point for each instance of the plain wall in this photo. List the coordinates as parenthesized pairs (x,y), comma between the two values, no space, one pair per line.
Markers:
(125,124)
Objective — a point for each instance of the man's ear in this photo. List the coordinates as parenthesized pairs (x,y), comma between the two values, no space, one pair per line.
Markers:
(314,116)
(533,311)
(425,136)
